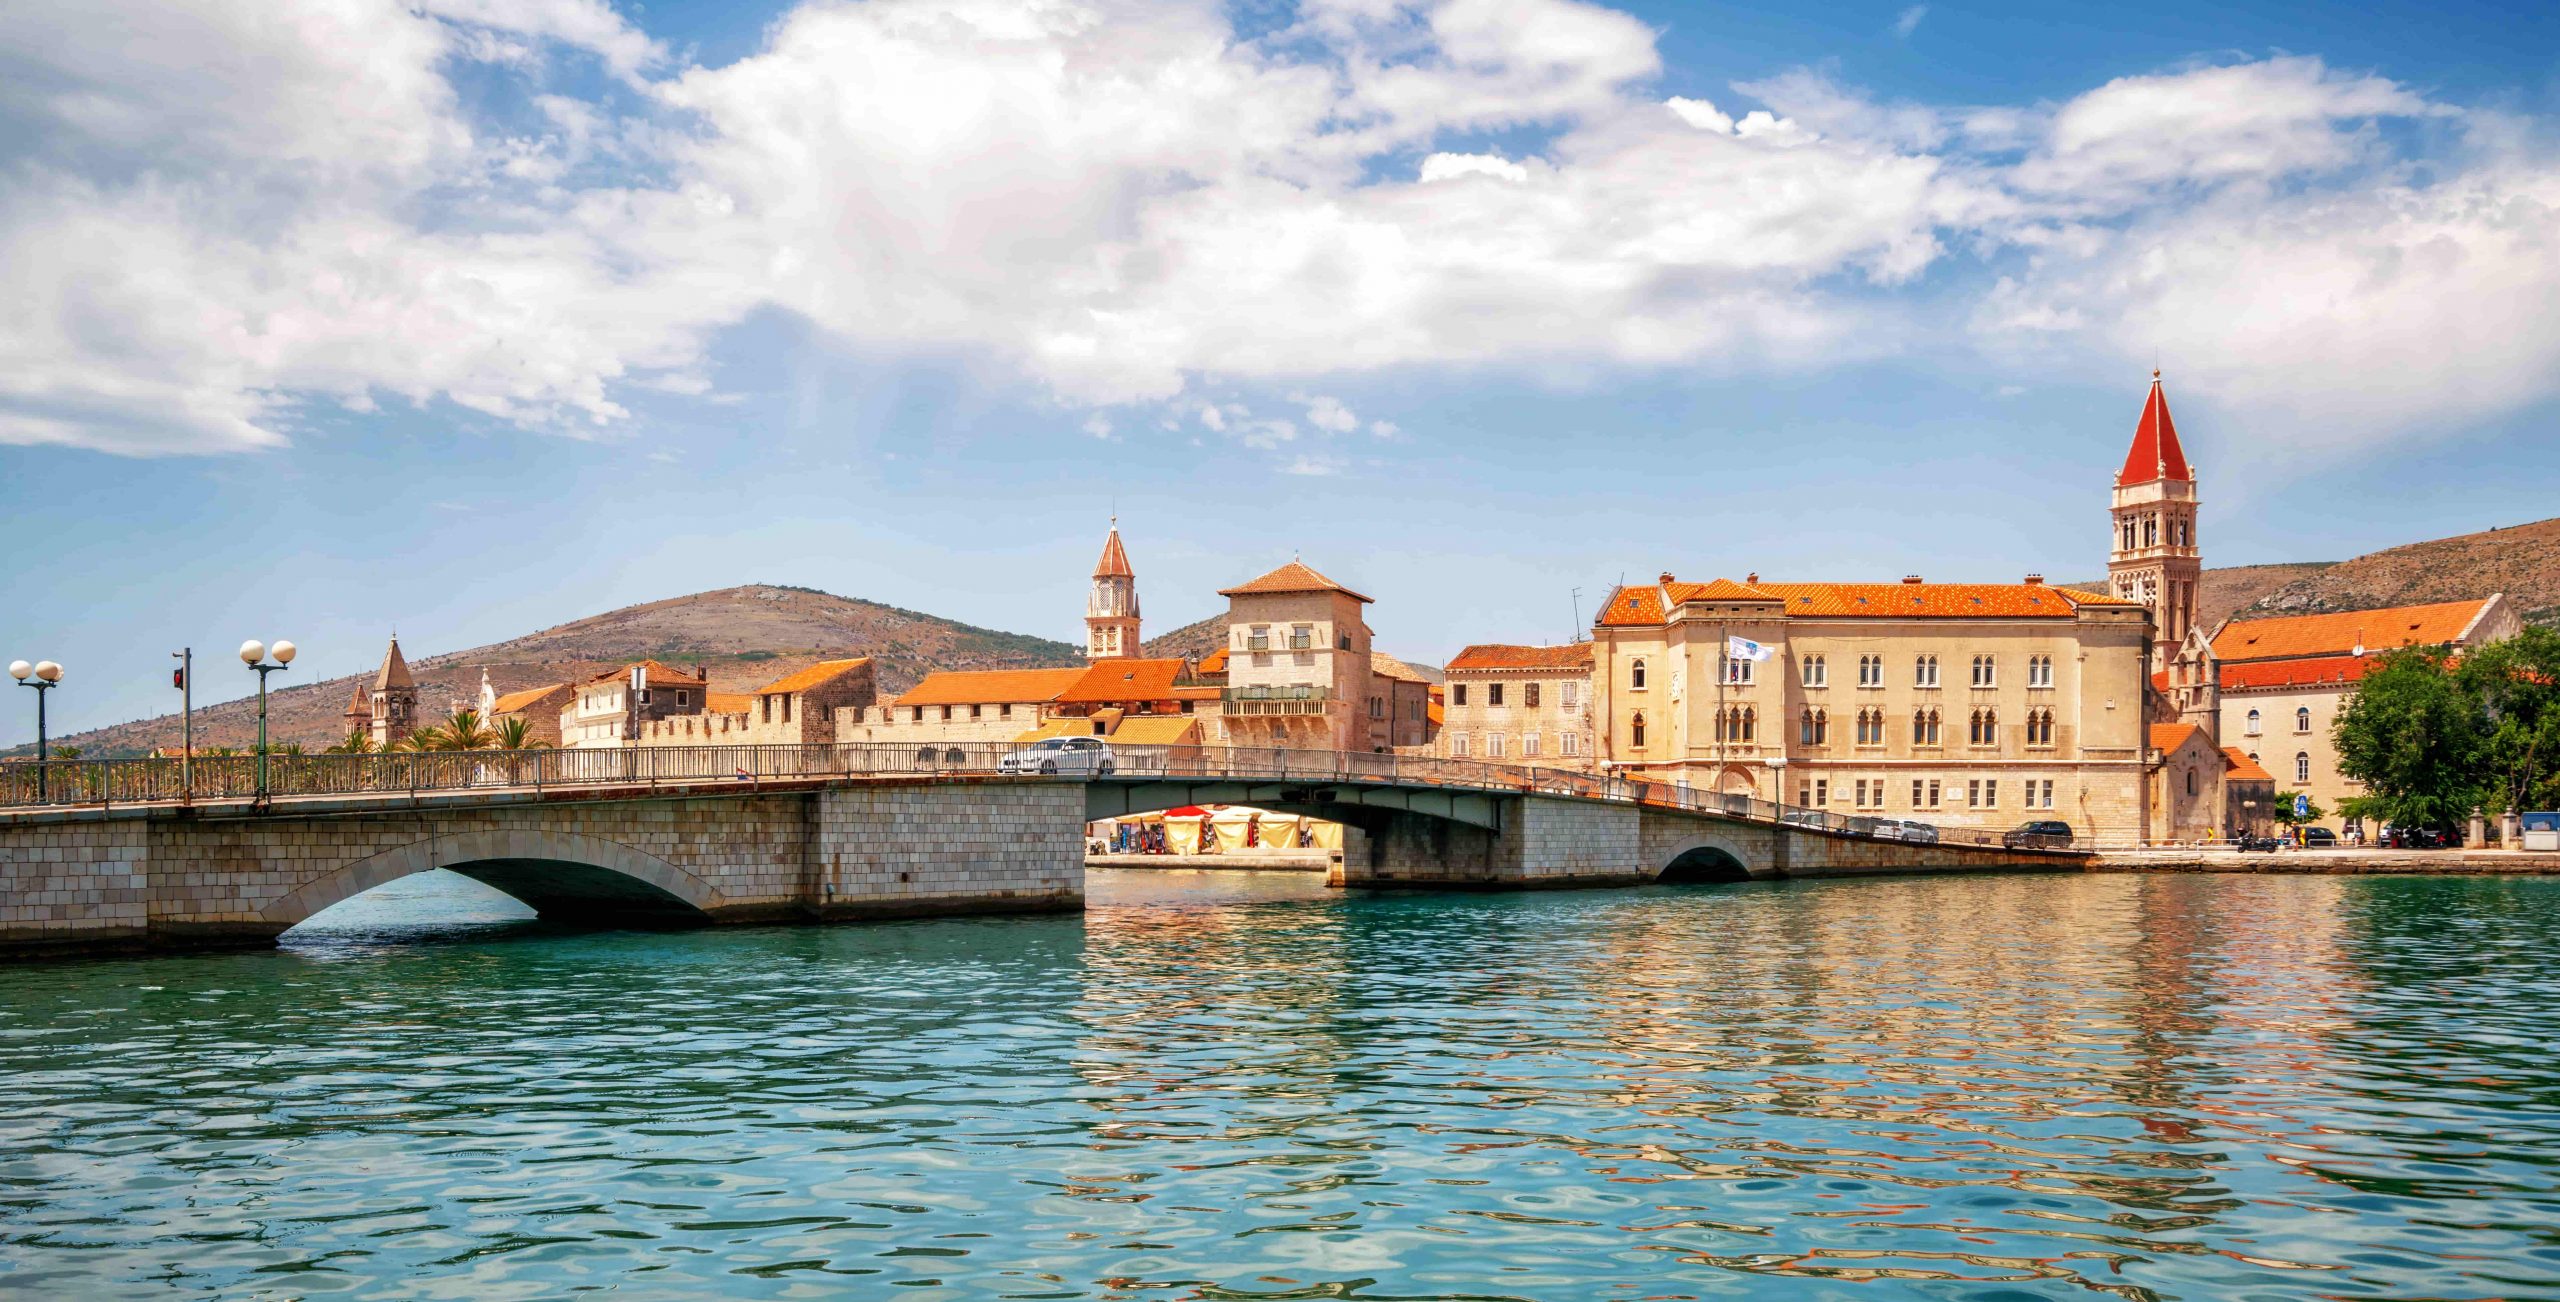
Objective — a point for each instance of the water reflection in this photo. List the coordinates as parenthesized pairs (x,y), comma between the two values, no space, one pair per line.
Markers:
(1241,1085)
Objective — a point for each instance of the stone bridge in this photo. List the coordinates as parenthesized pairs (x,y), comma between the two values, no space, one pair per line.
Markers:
(841,846)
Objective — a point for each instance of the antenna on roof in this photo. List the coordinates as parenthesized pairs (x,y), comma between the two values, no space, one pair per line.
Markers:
(1575,633)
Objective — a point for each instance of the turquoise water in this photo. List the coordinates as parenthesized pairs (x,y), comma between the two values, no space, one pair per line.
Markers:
(1242,1086)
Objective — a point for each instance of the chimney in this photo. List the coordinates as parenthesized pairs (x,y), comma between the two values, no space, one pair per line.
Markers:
(1753,578)
(2035,580)
(1666,576)
(1911,578)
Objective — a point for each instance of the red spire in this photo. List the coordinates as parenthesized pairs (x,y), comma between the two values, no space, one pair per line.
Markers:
(2155,453)
(1115,562)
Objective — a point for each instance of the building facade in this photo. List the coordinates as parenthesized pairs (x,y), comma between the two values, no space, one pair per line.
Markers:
(798,709)
(1520,704)
(612,708)
(2154,557)
(385,712)
(1969,705)
(2284,681)
(1298,670)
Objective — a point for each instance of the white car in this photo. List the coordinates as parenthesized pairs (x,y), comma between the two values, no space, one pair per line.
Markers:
(1076,756)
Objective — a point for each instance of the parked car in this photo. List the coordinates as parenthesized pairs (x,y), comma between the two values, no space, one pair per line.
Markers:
(2318,838)
(1079,756)
(1805,818)
(1920,833)
(2418,838)
(2248,841)
(2038,834)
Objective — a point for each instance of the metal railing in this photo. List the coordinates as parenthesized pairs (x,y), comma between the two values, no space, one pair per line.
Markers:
(233,779)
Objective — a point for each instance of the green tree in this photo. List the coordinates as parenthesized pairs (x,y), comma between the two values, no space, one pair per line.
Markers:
(2515,686)
(356,742)
(2413,737)
(462,731)
(2284,810)
(514,734)
(424,739)
(66,752)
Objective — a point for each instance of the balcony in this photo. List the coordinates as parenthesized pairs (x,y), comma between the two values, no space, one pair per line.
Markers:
(1266,700)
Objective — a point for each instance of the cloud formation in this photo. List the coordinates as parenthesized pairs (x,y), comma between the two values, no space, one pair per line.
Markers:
(1126,202)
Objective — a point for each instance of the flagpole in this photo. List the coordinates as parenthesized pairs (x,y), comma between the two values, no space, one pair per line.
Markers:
(1724,649)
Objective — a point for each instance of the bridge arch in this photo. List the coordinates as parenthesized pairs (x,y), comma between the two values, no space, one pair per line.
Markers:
(566,876)
(1708,857)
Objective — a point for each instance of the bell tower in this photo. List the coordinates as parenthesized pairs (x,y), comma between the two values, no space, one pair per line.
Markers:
(394,712)
(2154,557)
(1111,612)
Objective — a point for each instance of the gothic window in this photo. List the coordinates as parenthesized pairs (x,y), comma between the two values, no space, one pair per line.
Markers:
(1871,671)
(1635,731)
(1635,676)
(2302,766)
(2039,727)
(1924,727)
(1814,728)
(1750,723)
(1871,727)
(2150,531)
(1984,728)
(1815,673)
(1985,672)
(1924,672)
(2302,719)
(2040,671)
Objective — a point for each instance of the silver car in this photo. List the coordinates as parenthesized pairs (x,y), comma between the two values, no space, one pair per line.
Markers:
(1071,756)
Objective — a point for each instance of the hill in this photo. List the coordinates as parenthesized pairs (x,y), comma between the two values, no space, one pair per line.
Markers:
(1191,641)
(2522,561)
(741,637)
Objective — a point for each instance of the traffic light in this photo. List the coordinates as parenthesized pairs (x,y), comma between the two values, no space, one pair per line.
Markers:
(178,679)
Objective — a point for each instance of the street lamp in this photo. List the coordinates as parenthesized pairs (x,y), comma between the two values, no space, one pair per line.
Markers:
(253,653)
(46,674)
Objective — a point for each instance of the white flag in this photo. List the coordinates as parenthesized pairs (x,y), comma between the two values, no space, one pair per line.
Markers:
(1743,648)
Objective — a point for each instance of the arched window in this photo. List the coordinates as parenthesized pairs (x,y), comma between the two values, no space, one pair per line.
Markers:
(1931,720)
(1750,723)
(1816,674)
(2302,719)
(1635,726)
(1984,672)
(2302,766)
(1635,678)
(1871,671)
(2191,782)
(1924,672)
(2252,728)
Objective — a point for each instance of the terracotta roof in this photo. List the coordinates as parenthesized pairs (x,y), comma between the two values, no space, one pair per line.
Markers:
(728,702)
(394,671)
(1500,655)
(1720,590)
(1123,680)
(2155,453)
(1436,712)
(1056,728)
(661,674)
(1203,692)
(362,706)
(2242,768)
(1630,605)
(2342,632)
(1157,730)
(989,686)
(1388,666)
(1292,577)
(1115,560)
(526,699)
(2167,737)
(1215,662)
(817,675)
(2309,672)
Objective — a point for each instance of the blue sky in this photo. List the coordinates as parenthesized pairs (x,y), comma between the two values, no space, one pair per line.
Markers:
(471,319)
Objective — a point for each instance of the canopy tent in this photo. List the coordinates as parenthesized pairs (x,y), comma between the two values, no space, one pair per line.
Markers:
(1228,828)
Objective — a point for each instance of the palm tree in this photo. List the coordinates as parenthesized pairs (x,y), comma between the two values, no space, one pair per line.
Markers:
(515,734)
(357,742)
(462,731)
(424,739)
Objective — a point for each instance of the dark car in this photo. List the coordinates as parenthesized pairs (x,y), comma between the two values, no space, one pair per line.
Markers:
(2256,841)
(2042,834)
(2418,838)
(2318,838)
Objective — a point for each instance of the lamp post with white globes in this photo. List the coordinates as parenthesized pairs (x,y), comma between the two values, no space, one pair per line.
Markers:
(44,675)
(253,653)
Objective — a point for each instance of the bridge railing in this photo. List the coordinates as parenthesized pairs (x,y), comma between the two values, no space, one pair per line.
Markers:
(233,778)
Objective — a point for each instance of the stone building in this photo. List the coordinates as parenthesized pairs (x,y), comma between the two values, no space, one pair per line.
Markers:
(1298,669)
(2283,681)
(1970,705)
(539,707)
(387,711)
(1111,609)
(2187,786)
(1523,704)
(798,709)
(2154,557)
(1399,705)
(611,708)
(998,705)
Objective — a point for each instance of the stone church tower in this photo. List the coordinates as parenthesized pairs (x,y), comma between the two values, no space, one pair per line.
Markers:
(394,712)
(1111,613)
(2155,559)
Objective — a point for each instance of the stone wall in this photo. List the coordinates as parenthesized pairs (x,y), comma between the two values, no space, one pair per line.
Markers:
(918,848)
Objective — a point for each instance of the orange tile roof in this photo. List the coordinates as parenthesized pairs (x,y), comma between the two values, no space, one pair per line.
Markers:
(1639,605)
(728,702)
(1389,666)
(817,675)
(1215,662)
(526,699)
(1292,577)
(1436,712)
(1123,680)
(1203,692)
(661,674)
(1500,655)
(1157,730)
(1115,559)
(2313,671)
(2155,453)
(1056,728)
(2167,737)
(2242,768)
(990,686)
(2342,632)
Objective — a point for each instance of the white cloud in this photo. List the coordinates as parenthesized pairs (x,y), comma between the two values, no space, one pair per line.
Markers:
(1908,21)
(1098,425)
(1124,200)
